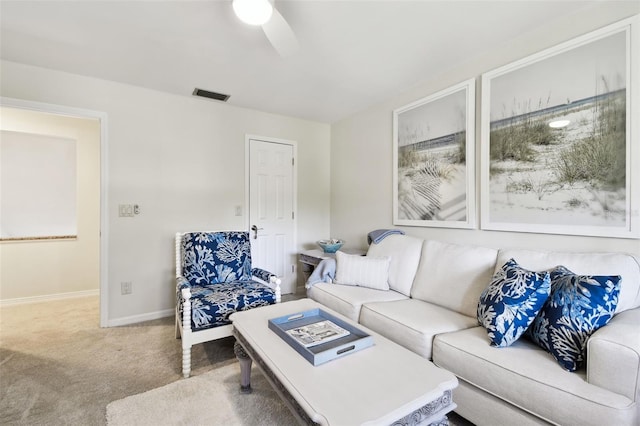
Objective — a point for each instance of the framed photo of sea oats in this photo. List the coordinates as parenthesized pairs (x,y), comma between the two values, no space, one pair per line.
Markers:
(434,159)
(560,151)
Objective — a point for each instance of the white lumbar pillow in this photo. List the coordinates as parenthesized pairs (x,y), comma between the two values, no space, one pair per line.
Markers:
(363,271)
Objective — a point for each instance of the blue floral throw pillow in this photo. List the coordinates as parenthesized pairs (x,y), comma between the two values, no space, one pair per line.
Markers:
(511,302)
(578,306)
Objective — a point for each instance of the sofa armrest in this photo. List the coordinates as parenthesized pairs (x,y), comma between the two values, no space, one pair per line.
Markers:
(613,355)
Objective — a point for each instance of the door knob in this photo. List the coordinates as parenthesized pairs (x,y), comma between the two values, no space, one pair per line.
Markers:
(255,229)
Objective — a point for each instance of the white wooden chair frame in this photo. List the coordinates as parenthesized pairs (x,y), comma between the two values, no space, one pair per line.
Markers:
(183,324)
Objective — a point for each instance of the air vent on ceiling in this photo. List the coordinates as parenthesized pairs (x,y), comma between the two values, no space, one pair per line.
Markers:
(211,95)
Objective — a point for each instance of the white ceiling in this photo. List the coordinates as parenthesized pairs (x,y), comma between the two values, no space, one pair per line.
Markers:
(353,53)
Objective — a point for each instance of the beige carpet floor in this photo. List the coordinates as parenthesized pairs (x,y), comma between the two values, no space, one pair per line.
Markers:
(211,398)
(58,367)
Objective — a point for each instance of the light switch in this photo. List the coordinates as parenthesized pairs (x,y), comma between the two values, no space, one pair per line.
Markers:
(126,210)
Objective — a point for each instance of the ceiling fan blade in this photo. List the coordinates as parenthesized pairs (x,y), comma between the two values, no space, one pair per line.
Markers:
(281,35)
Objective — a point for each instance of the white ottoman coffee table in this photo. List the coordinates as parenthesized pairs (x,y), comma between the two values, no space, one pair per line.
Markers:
(380,385)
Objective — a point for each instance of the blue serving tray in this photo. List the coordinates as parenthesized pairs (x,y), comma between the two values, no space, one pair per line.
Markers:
(324,352)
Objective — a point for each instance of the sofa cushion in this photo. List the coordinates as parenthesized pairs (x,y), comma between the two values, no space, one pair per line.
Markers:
(528,377)
(348,300)
(625,265)
(363,271)
(577,307)
(511,302)
(404,252)
(412,323)
(453,276)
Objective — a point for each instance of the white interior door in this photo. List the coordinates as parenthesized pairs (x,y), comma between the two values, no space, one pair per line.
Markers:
(271,209)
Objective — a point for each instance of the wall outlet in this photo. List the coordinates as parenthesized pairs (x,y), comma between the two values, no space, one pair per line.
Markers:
(126,287)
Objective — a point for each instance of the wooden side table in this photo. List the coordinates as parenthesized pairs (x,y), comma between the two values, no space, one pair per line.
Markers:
(309,259)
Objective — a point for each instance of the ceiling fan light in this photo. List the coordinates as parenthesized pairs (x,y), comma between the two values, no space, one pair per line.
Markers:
(253,12)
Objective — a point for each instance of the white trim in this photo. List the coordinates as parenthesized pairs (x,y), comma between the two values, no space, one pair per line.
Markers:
(104,204)
(469,89)
(48,297)
(134,319)
(629,26)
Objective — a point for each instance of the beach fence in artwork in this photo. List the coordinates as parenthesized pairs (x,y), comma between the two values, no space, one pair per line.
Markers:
(559,110)
(431,179)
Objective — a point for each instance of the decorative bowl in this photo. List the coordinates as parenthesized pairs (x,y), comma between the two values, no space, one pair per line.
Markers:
(330,246)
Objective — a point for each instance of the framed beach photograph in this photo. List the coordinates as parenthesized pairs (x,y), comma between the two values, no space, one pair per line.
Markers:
(434,159)
(559,151)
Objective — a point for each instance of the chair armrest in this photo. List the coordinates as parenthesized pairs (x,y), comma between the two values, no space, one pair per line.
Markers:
(613,355)
(182,282)
(270,278)
(183,295)
(262,274)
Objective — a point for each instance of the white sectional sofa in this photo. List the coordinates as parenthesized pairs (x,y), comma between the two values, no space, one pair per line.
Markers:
(430,308)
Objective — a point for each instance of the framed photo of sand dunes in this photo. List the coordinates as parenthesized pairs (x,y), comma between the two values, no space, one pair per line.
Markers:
(434,160)
(560,142)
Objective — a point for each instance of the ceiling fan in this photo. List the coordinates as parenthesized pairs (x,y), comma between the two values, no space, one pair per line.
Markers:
(275,27)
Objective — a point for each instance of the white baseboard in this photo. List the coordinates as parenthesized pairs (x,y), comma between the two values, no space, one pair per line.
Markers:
(134,319)
(48,297)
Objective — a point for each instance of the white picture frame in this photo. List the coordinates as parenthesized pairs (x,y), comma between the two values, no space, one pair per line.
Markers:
(434,160)
(560,150)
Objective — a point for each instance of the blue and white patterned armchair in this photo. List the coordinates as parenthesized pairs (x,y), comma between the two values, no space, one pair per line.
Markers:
(214,278)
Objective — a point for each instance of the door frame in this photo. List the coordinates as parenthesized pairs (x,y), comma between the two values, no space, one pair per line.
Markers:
(104,205)
(247,175)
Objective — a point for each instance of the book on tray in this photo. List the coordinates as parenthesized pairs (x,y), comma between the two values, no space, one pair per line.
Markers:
(317,333)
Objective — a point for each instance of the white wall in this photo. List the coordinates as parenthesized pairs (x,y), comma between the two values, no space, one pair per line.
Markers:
(34,269)
(181,159)
(361,150)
